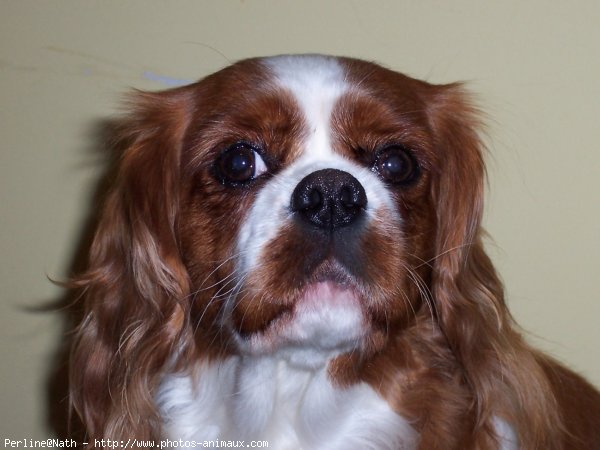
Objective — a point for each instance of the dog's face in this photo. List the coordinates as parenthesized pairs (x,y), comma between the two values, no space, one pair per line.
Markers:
(309,207)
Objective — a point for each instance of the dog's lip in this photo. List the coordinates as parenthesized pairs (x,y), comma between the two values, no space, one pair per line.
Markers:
(331,271)
(329,284)
(328,292)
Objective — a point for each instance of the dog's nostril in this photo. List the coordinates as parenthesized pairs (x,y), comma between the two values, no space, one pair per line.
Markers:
(349,199)
(315,199)
(329,199)
(311,200)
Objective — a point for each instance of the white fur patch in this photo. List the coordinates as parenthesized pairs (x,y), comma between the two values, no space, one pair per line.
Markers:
(267,399)
(506,435)
(316,82)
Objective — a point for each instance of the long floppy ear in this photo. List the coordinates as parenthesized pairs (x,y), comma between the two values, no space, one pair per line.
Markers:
(134,287)
(503,372)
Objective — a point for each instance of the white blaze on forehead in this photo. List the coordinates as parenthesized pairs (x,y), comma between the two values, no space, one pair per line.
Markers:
(317,82)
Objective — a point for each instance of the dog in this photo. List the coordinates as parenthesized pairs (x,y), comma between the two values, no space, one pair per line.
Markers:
(291,253)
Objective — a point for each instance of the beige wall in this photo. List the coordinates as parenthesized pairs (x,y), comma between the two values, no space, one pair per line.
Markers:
(534,64)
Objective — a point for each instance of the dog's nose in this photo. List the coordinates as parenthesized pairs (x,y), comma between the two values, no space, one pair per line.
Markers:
(329,199)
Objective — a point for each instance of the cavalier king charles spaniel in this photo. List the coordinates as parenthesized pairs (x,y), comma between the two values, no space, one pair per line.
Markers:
(291,251)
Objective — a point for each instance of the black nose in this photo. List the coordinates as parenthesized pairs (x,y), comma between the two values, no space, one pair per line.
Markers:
(329,199)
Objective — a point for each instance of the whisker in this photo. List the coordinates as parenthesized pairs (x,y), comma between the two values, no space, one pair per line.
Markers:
(424,291)
(217,296)
(458,247)
(217,268)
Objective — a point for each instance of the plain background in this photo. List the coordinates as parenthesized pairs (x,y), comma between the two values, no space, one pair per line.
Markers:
(64,66)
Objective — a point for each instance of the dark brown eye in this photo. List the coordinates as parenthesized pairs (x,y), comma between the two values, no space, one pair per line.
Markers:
(396,164)
(239,164)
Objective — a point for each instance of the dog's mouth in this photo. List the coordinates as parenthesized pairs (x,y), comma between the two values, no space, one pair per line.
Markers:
(325,316)
(331,271)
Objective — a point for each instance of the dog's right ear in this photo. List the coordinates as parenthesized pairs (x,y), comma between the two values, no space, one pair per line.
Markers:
(135,285)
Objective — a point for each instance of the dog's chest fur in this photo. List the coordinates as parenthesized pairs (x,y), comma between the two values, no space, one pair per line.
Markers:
(291,408)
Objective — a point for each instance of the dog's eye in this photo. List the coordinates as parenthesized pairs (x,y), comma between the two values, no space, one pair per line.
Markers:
(239,164)
(396,164)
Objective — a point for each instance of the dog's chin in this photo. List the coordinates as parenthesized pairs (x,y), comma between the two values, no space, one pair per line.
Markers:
(326,319)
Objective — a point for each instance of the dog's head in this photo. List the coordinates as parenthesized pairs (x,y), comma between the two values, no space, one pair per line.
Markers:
(300,206)
(315,195)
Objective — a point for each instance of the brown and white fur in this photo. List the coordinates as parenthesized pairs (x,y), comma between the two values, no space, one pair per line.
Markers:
(229,310)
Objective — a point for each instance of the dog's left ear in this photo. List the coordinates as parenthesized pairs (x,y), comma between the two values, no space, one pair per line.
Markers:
(467,292)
